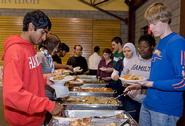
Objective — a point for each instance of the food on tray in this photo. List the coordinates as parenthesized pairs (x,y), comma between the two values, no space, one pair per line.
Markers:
(132,77)
(92,100)
(120,116)
(76,81)
(57,77)
(81,122)
(62,72)
(89,89)
(112,124)
(59,71)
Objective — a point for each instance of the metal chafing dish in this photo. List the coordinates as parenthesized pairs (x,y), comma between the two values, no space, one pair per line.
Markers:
(91,107)
(110,94)
(59,121)
(85,92)
(95,113)
(118,117)
(88,78)
(94,85)
(92,77)
(91,103)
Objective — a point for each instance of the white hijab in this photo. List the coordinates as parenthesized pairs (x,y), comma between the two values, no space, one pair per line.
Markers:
(131,46)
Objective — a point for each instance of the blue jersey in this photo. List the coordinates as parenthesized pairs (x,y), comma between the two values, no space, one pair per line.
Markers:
(167,73)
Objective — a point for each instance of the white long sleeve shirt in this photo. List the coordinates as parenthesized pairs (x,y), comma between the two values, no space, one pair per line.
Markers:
(93,61)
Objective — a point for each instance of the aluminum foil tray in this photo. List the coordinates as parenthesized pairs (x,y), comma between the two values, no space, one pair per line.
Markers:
(88,78)
(56,121)
(59,121)
(109,116)
(91,103)
(93,85)
(93,113)
(106,94)
(91,107)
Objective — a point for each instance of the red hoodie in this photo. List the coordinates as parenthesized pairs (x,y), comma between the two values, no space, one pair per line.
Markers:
(24,98)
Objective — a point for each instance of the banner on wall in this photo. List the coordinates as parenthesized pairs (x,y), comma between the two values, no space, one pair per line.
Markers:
(58,5)
(18,2)
(43,4)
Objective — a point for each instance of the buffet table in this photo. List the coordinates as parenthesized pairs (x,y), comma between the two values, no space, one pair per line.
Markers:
(91,104)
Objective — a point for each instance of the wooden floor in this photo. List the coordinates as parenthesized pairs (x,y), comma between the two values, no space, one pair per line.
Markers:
(2,121)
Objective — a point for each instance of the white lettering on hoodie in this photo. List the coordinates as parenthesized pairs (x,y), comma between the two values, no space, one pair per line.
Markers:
(33,62)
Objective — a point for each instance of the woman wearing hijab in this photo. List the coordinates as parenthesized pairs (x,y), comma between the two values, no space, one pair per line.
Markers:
(123,67)
(131,56)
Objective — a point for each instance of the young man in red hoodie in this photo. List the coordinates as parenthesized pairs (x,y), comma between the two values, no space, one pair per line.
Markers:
(24,99)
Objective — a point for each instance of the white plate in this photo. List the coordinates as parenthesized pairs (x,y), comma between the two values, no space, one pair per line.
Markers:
(67,71)
(87,76)
(77,69)
(62,81)
(69,78)
(133,81)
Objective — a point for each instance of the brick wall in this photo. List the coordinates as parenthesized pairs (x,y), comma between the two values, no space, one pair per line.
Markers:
(74,14)
(173,4)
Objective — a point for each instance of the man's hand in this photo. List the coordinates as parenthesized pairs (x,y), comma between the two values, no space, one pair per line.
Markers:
(70,67)
(138,86)
(132,87)
(58,109)
(47,77)
(116,77)
(146,83)
(103,68)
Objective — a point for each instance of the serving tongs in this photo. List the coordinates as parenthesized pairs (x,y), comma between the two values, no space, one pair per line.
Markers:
(116,98)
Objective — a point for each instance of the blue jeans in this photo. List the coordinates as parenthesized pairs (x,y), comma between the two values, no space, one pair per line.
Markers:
(151,118)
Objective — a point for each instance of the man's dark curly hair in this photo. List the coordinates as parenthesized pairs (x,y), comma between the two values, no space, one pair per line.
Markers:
(149,39)
(38,18)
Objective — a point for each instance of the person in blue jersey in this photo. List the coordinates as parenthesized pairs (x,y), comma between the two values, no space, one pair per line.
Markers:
(163,104)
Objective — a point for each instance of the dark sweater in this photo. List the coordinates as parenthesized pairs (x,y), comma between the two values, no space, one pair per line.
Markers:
(57,59)
(78,61)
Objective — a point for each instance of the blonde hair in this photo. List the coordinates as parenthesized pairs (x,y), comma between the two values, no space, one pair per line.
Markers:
(158,12)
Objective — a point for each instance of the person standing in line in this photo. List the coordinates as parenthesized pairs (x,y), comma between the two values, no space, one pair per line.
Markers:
(123,66)
(46,49)
(117,48)
(94,60)
(24,98)
(63,49)
(77,60)
(105,66)
(163,104)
